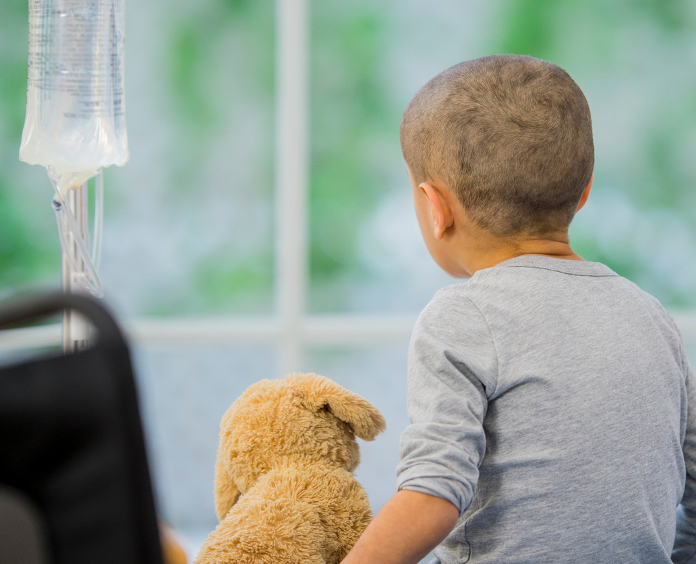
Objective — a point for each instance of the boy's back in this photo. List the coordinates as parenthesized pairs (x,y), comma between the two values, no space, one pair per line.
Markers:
(572,381)
(553,409)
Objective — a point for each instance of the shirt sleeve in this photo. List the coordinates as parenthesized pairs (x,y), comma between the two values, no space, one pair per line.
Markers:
(684,551)
(452,370)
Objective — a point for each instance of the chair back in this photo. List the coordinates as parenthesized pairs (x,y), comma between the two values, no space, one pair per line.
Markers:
(72,454)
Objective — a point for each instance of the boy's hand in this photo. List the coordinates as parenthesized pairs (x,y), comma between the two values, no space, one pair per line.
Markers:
(409,526)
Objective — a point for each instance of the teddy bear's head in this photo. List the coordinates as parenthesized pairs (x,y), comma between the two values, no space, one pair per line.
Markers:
(304,417)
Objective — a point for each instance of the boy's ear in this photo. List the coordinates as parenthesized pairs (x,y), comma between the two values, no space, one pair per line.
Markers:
(585,195)
(317,393)
(440,209)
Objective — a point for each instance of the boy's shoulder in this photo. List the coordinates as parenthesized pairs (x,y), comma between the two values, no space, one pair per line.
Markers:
(526,274)
(542,290)
(536,314)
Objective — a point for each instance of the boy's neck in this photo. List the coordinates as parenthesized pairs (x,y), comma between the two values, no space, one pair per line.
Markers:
(486,250)
(540,247)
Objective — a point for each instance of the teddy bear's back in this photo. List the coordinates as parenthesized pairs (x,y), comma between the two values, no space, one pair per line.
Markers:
(297,513)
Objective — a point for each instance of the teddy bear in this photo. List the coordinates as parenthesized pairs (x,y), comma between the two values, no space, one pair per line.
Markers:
(284,486)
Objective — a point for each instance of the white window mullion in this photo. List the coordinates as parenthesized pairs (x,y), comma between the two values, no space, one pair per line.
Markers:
(338,330)
(291,180)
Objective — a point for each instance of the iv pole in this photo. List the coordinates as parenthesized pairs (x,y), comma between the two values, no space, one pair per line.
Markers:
(75,326)
(75,126)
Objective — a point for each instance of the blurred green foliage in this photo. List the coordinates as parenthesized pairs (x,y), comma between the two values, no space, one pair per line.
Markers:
(351,114)
(221,280)
(27,254)
(195,56)
(354,124)
(528,28)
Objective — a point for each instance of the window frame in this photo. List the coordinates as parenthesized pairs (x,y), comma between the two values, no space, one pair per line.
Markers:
(290,328)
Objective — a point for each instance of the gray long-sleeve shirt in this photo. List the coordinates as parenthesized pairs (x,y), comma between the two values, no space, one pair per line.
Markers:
(552,402)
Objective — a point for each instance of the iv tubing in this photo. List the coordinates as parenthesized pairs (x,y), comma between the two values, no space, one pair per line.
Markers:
(69,227)
(98,219)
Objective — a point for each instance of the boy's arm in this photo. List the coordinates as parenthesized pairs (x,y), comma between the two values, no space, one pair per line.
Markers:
(409,526)
(452,363)
(684,551)
(451,349)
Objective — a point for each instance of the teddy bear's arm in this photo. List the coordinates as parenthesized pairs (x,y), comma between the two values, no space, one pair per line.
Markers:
(226,491)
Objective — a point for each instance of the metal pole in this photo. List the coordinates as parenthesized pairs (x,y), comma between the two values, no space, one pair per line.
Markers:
(65,265)
(75,326)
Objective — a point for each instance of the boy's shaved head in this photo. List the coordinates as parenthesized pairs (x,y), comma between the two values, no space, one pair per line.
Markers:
(510,135)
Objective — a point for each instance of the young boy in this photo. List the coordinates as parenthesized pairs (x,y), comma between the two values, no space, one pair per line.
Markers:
(552,406)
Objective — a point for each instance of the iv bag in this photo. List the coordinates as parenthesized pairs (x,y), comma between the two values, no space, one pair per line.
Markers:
(75,121)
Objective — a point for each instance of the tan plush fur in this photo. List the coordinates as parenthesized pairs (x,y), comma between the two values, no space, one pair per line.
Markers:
(284,488)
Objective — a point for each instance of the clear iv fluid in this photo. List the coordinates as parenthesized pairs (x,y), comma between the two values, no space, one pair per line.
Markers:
(75,120)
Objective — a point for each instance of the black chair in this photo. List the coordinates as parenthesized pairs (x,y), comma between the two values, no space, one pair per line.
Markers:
(74,480)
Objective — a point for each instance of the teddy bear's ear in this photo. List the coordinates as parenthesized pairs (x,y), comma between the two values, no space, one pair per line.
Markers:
(226,491)
(317,393)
